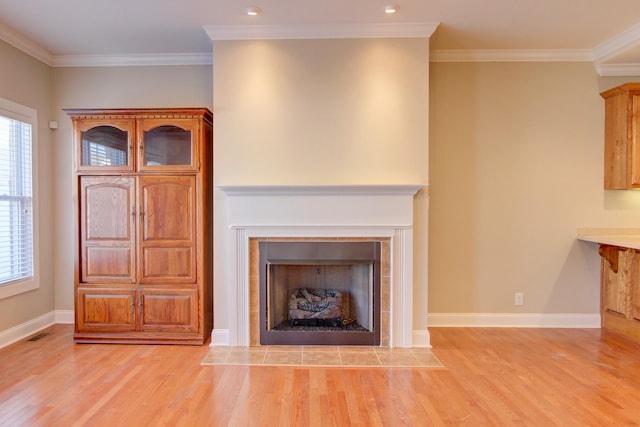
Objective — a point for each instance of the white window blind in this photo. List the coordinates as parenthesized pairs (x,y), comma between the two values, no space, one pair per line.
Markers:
(16,222)
(16,200)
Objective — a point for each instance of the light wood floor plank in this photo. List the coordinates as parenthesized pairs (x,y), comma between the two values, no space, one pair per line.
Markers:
(492,377)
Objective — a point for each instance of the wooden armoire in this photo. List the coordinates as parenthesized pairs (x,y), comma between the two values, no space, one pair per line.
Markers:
(144,219)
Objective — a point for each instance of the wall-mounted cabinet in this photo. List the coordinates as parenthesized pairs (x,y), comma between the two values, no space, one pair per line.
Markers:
(622,137)
(144,221)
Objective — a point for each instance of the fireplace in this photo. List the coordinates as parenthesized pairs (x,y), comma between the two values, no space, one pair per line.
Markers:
(360,213)
(320,292)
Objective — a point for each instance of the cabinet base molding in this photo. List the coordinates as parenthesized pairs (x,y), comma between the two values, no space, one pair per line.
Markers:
(620,325)
(135,338)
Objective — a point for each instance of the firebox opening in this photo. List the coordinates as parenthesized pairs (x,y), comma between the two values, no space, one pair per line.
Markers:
(320,293)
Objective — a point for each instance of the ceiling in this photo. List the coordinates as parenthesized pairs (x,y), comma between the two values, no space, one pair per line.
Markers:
(84,32)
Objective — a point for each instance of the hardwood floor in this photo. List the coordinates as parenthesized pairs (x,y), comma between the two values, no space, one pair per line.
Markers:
(492,377)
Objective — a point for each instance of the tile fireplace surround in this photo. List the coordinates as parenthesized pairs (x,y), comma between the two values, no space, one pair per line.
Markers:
(369,212)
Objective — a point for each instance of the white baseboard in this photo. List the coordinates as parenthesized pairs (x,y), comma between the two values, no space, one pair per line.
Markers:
(515,320)
(22,331)
(219,337)
(65,317)
(421,339)
(19,332)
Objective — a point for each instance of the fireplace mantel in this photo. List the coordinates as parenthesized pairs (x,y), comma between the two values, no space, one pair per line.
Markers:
(292,190)
(320,211)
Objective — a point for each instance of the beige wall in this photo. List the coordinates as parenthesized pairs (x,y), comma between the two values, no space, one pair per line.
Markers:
(26,81)
(108,87)
(327,112)
(516,166)
(321,111)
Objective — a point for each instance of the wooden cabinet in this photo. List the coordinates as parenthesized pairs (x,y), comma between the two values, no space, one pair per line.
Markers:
(620,290)
(622,137)
(144,221)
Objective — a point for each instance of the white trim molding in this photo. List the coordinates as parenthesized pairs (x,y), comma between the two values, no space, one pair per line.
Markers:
(514,320)
(621,70)
(65,317)
(22,331)
(195,58)
(220,338)
(421,339)
(371,211)
(605,51)
(401,277)
(322,190)
(512,55)
(28,46)
(617,44)
(26,329)
(31,48)
(331,31)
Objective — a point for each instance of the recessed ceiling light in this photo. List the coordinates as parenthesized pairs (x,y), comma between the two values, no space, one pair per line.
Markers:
(252,10)
(391,8)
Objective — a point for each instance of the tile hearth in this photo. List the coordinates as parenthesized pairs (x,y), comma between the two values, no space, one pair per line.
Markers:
(325,356)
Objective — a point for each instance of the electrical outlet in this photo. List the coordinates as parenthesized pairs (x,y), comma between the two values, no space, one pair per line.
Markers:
(519,298)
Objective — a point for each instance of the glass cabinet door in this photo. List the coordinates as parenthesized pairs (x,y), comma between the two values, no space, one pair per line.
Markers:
(105,146)
(167,144)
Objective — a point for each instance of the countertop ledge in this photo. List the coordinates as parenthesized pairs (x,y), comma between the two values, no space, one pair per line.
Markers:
(623,237)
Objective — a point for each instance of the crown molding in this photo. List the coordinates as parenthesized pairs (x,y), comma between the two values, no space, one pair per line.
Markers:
(579,55)
(25,44)
(333,31)
(31,48)
(512,55)
(132,60)
(618,44)
(618,70)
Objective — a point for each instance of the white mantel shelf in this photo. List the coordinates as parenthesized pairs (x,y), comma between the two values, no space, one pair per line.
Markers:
(274,190)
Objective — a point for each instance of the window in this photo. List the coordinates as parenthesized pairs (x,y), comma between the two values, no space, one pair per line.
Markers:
(18,234)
